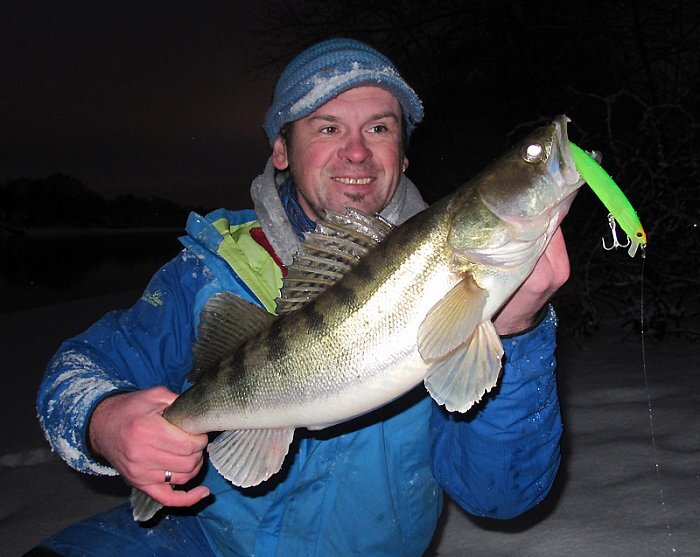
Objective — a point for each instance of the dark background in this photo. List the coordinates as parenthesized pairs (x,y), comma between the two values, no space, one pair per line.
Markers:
(131,114)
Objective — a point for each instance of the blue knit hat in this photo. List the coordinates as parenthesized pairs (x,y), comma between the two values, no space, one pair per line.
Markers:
(325,70)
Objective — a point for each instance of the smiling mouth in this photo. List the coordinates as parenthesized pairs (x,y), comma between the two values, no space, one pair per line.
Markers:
(354,181)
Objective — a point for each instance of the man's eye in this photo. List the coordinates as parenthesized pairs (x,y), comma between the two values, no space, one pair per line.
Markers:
(329,129)
(379,128)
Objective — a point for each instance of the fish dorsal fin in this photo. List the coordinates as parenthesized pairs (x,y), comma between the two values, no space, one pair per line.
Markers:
(331,250)
(247,457)
(225,322)
(452,320)
(461,379)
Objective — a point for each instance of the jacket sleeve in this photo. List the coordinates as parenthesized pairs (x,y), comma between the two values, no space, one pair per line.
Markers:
(146,345)
(501,459)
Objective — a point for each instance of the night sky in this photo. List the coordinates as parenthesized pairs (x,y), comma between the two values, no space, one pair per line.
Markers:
(166,97)
(160,98)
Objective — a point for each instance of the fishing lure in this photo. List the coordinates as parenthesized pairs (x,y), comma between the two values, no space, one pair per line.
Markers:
(612,197)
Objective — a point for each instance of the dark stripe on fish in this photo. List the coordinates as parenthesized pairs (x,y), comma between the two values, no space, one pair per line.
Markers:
(364,270)
(314,319)
(343,294)
(277,346)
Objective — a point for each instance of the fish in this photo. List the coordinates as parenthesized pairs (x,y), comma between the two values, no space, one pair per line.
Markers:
(368,311)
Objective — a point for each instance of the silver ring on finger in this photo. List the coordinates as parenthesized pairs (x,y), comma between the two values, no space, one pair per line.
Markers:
(168,476)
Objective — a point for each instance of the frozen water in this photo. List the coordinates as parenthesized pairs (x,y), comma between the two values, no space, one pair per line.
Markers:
(609,498)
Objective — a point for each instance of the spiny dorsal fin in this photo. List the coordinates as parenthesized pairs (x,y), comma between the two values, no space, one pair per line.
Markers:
(327,253)
(225,322)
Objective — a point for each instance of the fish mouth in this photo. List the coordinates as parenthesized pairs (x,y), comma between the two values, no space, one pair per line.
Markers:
(564,171)
(564,165)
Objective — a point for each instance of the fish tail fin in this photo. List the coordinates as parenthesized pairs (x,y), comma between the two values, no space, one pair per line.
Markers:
(461,379)
(248,457)
(143,506)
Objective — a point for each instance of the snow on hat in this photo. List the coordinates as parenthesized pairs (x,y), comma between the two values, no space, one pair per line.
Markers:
(327,69)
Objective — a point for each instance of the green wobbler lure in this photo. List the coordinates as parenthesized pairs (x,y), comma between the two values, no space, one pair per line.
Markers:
(612,197)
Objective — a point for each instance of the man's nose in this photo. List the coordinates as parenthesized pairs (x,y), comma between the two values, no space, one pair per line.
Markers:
(355,149)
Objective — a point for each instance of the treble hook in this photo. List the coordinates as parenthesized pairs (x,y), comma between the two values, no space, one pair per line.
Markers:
(613,228)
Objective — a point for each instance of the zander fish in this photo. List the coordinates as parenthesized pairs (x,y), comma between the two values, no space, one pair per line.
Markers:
(368,311)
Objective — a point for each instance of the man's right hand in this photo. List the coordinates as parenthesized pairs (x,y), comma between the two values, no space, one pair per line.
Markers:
(129,432)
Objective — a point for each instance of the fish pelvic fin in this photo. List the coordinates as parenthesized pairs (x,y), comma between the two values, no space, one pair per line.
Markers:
(225,322)
(248,457)
(143,506)
(451,321)
(331,250)
(459,380)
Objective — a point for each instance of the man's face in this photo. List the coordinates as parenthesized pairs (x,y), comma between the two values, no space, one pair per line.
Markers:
(346,154)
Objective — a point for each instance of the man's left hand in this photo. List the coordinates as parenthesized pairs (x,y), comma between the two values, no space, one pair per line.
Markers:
(550,273)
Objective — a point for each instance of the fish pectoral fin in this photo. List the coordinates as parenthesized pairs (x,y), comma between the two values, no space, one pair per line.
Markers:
(461,379)
(451,321)
(143,506)
(247,457)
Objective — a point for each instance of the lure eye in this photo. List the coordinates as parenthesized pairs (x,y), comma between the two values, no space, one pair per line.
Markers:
(533,153)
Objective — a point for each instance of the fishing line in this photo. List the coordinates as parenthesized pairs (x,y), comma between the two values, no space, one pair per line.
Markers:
(655,453)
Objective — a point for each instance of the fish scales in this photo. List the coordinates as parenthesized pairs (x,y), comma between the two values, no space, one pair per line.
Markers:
(295,363)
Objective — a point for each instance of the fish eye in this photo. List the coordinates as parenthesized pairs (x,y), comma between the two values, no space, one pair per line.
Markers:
(534,152)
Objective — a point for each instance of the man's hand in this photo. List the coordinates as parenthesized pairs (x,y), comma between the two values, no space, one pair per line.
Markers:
(128,431)
(549,274)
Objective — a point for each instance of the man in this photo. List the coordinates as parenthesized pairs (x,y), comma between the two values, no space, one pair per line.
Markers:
(338,127)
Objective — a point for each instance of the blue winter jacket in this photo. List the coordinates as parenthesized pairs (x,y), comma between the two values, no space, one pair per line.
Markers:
(372,486)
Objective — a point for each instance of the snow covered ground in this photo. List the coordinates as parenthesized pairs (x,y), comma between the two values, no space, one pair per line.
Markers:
(630,484)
